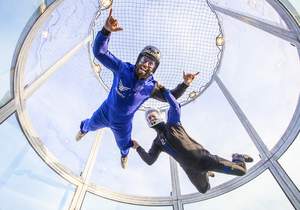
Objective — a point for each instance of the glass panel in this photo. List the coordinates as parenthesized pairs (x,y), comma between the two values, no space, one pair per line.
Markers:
(67,26)
(264,78)
(19,12)
(93,202)
(249,196)
(211,121)
(25,178)
(259,9)
(58,106)
(289,161)
(144,178)
(296,4)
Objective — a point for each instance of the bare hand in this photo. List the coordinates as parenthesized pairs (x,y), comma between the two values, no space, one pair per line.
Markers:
(112,24)
(189,77)
(135,144)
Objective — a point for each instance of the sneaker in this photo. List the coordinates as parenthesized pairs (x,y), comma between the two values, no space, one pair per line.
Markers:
(241,157)
(79,135)
(124,162)
(211,174)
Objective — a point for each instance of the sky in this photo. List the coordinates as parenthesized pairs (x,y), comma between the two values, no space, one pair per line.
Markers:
(260,70)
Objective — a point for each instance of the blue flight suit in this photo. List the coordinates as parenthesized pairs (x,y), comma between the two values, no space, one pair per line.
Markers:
(126,95)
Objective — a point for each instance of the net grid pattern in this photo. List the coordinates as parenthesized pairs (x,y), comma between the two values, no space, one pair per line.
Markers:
(184,31)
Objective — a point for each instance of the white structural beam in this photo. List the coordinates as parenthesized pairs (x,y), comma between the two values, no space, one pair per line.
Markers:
(285,183)
(7,110)
(82,188)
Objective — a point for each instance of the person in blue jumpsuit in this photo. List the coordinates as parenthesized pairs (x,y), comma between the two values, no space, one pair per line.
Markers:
(132,86)
(194,159)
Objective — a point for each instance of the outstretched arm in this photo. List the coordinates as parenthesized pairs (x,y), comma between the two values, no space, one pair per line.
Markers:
(149,157)
(176,92)
(174,110)
(100,48)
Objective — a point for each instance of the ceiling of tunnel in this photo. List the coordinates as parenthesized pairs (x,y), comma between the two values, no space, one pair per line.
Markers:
(253,69)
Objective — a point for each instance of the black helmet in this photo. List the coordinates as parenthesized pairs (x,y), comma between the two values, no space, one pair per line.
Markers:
(151,52)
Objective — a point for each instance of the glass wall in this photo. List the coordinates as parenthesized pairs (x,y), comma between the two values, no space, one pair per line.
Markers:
(264,80)
(138,178)
(296,4)
(56,109)
(211,121)
(259,9)
(26,182)
(93,202)
(260,194)
(14,15)
(290,163)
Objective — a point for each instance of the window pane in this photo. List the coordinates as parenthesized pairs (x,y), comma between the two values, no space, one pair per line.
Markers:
(264,78)
(14,15)
(25,178)
(289,161)
(93,202)
(211,121)
(144,178)
(58,106)
(262,193)
(66,27)
(296,4)
(259,9)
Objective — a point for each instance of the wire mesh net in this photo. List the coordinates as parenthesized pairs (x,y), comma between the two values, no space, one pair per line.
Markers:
(185,31)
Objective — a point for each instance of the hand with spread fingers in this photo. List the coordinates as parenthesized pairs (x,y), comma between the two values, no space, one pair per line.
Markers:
(112,24)
(189,77)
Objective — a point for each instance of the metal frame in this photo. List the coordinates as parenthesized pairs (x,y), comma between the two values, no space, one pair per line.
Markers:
(269,158)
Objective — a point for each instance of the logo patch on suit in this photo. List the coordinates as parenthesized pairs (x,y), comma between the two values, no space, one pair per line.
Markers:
(163,141)
(121,88)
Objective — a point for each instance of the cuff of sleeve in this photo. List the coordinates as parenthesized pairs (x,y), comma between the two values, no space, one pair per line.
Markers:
(105,32)
(138,148)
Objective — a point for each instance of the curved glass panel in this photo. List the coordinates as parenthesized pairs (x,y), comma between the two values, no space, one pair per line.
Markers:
(93,202)
(212,122)
(26,181)
(14,15)
(144,178)
(259,9)
(58,106)
(264,80)
(248,197)
(296,5)
(66,27)
(289,163)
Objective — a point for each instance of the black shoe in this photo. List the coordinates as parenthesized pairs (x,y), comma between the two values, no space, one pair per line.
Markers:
(241,157)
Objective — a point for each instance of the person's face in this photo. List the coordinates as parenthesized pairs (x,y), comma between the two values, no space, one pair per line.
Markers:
(145,67)
(152,117)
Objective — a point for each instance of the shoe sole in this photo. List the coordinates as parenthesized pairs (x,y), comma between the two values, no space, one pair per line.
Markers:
(248,159)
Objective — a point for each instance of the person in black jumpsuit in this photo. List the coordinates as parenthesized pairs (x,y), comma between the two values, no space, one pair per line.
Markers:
(195,160)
